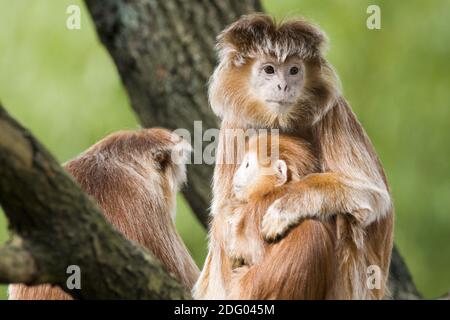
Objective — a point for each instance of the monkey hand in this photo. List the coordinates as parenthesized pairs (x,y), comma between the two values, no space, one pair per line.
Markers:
(280,217)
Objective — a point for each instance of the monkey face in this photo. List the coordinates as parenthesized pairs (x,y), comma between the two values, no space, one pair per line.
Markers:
(252,177)
(277,84)
(247,172)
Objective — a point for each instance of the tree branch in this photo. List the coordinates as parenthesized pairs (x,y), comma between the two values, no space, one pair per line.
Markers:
(17,265)
(400,283)
(164,52)
(57,225)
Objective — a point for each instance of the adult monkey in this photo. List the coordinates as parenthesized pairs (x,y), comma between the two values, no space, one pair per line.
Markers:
(134,176)
(275,76)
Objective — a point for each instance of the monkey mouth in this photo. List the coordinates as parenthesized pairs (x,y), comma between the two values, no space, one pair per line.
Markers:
(280,106)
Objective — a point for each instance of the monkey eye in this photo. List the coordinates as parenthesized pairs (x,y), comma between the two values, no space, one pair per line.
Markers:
(293,70)
(269,69)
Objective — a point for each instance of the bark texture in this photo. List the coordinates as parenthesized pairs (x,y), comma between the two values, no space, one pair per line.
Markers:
(164,52)
(54,224)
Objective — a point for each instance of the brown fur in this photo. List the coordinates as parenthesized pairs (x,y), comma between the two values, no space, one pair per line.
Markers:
(133,177)
(351,186)
(262,271)
(257,34)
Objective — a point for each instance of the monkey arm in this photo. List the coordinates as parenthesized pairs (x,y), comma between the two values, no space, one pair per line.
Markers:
(322,195)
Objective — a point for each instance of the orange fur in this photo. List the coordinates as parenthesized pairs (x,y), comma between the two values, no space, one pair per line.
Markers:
(133,177)
(350,190)
(260,268)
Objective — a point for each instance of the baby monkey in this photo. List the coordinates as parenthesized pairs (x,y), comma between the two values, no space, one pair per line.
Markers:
(302,265)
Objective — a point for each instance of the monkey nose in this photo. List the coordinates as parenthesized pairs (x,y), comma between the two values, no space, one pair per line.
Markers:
(282,87)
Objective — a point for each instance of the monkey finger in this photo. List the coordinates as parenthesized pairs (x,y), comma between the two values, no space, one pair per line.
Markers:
(276,222)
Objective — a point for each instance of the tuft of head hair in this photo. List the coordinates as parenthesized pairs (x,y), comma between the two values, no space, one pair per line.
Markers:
(257,34)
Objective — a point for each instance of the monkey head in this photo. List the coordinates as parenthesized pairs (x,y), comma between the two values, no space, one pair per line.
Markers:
(272,161)
(271,75)
(256,176)
(155,155)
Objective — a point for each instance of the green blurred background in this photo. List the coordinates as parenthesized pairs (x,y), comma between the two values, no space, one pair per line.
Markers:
(63,86)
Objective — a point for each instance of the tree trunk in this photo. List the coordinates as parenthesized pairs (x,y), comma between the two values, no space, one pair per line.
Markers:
(54,224)
(164,51)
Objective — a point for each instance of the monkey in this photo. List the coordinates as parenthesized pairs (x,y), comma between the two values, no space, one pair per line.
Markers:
(258,267)
(275,75)
(134,177)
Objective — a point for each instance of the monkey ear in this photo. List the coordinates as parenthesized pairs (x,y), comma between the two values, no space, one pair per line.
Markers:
(181,151)
(162,157)
(281,169)
(178,152)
